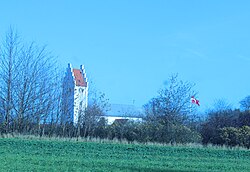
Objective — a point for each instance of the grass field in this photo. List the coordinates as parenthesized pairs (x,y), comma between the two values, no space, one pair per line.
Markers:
(18,154)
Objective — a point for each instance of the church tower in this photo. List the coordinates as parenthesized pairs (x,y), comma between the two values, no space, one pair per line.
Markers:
(75,94)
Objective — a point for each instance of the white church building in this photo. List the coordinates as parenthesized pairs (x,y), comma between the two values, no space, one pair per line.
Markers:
(75,94)
(75,100)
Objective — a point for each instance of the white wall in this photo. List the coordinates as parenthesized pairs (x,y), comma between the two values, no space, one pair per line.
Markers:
(111,119)
(80,101)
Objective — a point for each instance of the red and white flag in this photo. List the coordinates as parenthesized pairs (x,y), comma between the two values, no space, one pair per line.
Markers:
(195,101)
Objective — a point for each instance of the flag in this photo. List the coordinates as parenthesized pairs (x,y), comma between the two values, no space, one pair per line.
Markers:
(195,101)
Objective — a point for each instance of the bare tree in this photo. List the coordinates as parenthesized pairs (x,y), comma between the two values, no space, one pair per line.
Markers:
(97,107)
(167,114)
(173,102)
(53,118)
(221,105)
(27,84)
(245,103)
(10,51)
(32,94)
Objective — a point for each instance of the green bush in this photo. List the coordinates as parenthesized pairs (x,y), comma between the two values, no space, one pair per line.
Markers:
(229,136)
(235,136)
(245,136)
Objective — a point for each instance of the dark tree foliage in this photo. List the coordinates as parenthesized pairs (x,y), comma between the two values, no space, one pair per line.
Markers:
(244,118)
(215,121)
(226,126)
(232,136)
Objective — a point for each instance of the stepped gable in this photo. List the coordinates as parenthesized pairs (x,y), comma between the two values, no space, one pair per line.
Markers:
(79,78)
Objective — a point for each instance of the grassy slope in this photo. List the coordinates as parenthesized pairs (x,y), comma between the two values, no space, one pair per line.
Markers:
(42,155)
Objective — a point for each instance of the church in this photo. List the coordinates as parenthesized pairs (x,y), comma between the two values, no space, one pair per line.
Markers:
(75,100)
(74,94)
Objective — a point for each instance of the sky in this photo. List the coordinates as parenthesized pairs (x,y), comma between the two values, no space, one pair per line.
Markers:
(130,48)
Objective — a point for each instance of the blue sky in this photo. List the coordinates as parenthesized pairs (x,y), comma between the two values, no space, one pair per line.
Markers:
(131,47)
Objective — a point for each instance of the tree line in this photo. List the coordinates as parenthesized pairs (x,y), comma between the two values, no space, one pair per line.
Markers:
(31,103)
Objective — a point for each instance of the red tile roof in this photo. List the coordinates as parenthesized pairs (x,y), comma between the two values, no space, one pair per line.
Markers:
(79,78)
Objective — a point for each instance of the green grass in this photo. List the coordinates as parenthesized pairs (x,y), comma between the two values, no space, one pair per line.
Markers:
(19,154)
